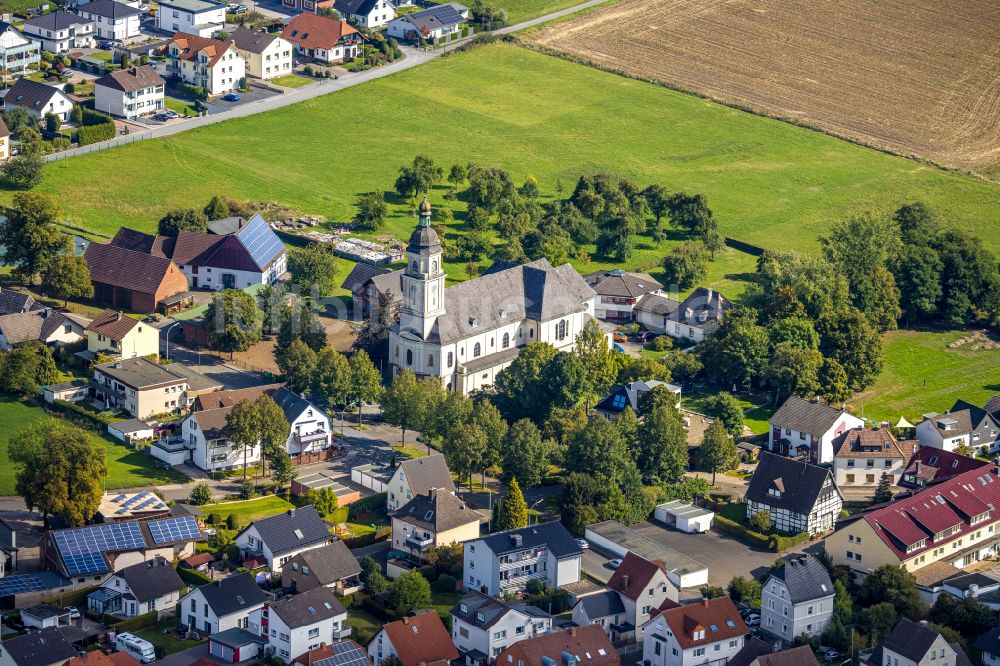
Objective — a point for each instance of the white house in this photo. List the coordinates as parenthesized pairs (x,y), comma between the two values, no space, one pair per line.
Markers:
(463,336)
(963,425)
(862,455)
(301,623)
(211,64)
(417,476)
(482,627)
(798,496)
(707,632)
(431,24)
(129,93)
(797,599)
(693,319)
(504,562)
(114,21)
(38,99)
(195,17)
(988,643)
(267,54)
(47,326)
(369,13)
(414,640)
(17,50)
(61,31)
(279,538)
(112,333)
(223,604)
(323,39)
(915,644)
(807,428)
(138,589)
(618,292)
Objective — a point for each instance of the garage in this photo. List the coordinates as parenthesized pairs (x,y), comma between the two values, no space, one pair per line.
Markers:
(684,516)
(234,645)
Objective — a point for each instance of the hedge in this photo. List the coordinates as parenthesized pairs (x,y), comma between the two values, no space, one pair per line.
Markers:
(557,600)
(133,623)
(98,419)
(368,539)
(740,531)
(378,610)
(370,503)
(193,576)
(780,542)
(95,133)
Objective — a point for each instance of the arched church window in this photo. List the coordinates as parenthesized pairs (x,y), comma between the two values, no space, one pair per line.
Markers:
(409,357)
(413,294)
(506,340)
(477,350)
(413,265)
(430,360)
(397,351)
(451,359)
(434,266)
(561,335)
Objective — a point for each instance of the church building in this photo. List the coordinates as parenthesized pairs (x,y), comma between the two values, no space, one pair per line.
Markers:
(465,334)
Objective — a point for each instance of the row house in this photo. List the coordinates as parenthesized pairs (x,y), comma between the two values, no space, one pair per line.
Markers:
(504,562)
(331,566)
(298,624)
(931,465)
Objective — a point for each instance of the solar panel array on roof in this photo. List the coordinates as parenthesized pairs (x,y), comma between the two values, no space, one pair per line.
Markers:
(82,549)
(345,654)
(174,529)
(20,584)
(260,241)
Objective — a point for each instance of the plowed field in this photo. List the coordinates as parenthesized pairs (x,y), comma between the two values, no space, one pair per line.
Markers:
(917,77)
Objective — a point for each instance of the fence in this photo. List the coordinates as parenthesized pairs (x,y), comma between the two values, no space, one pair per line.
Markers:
(102,145)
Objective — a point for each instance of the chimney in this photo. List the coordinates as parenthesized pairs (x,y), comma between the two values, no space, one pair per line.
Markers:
(291,512)
(704,602)
(923,623)
(406,620)
(625,581)
(572,631)
(916,468)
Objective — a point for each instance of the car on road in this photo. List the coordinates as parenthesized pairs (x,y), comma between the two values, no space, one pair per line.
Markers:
(614,564)
(752,620)
(582,543)
(230,97)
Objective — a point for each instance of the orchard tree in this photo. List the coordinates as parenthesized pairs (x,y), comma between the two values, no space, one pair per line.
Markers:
(418,177)
(28,234)
(67,277)
(26,367)
(718,452)
(313,269)
(686,265)
(371,211)
(233,321)
(182,219)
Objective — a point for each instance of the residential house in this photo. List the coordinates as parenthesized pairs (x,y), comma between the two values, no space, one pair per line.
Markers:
(38,99)
(204,431)
(365,293)
(60,31)
(802,655)
(915,644)
(209,63)
(112,333)
(622,396)
(323,39)
(951,521)
(642,586)
(438,518)
(138,589)
(267,55)
(931,465)
(17,50)
(331,566)
(964,425)
(618,292)
(372,14)
(129,93)
(131,280)
(988,644)
(295,625)
(862,455)
(194,17)
(44,325)
(47,647)
(279,538)
(98,658)
(799,496)
(414,640)
(222,604)
(338,654)
(117,507)
(503,562)
(417,476)
(140,387)
(482,627)
(311,6)
(807,428)
(86,554)
(707,632)
(576,646)
(431,24)
(693,319)
(4,141)
(797,599)
(113,21)
(753,648)
(14,301)
(981,587)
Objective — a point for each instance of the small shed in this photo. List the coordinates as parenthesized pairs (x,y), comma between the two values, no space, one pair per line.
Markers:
(372,477)
(198,562)
(74,391)
(177,303)
(319,481)
(749,452)
(44,615)
(131,430)
(684,516)
(234,645)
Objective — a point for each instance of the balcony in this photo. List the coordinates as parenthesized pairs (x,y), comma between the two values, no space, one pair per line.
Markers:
(342,633)
(414,542)
(520,581)
(526,558)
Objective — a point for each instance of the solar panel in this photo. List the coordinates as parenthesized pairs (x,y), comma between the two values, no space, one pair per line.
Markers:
(119,498)
(344,654)
(82,549)
(260,241)
(20,584)
(174,529)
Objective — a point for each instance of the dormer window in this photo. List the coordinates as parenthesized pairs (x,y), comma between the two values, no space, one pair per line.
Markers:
(773,492)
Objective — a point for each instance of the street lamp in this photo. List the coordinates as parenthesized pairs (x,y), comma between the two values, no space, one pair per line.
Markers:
(540,500)
(170,328)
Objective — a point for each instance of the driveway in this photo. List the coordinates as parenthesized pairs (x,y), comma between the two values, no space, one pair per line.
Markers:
(219,105)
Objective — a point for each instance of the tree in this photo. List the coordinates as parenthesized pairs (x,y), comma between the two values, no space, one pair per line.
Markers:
(464,449)
(366,380)
(371,211)
(745,590)
(67,277)
(718,452)
(793,371)
(282,471)
(418,177)
(373,337)
(485,415)
(200,494)
(313,269)
(686,265)
(216,208)
(324,500)
(61,470)
(272,299)
(403,402)
(332,378)
(893,585)
(848,337)
(456,175)
(918,274)
(233,321)
(657,198)
(512,511)
(879,620)
(300,322)
(883,493)
(761,521)
(689,212)
(686,488)
(833,386)
(371,575)
(525,454)
(568,382)
(243,429)
(182,219)
(297,365)
(272,431)
(23,172)
(409,591)
(662,445)
(29,236)
(968,616)
(26,367)
(600,451)
(519,385)
(726,408)
(796,332)
(597,358)
(739,350)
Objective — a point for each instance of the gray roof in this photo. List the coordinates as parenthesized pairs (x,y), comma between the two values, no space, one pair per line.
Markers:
(391,282)
(226,226)
(993,406)
(331,563)
(191,5)
(292,529)
(236,593)
(964,581)
(805,578)
(235,637)
(21,326)
(801,484)
(151,580)
(974,420)
(15,301)
(131,425)
(435,17)
(253,41)
(356,7)
(438,511)
(753,647)
(45,611)
(796,656)
(810,416)
(361,274)
(656,304)
(617,282)
(422,474)
(703,306)
(989,641)
(109,9)
(59,20)
(180,509)
(552,535)
(39,648)
(141,373)
(306,608)
(195,380)
(605,604)
(30,94)
(484,611)
(910,639)
(424,238)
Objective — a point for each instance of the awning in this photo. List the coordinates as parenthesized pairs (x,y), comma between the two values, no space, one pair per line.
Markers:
(903,423)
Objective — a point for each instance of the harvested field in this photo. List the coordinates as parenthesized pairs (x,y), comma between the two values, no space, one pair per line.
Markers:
(916,77)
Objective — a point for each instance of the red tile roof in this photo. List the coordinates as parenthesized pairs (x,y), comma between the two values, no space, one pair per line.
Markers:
(589,645)
(940,465)
(634,575)
(98,658)
(687,621)
(313,31)
(191,45)
(421,638)
(113,324)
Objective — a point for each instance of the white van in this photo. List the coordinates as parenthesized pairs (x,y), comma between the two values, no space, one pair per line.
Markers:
(139,648)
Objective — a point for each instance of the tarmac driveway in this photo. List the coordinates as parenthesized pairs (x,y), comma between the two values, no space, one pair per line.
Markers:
(218,105)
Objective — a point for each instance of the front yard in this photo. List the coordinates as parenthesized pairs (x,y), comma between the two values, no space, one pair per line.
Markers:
(291,81)
(162,635)
(249,510)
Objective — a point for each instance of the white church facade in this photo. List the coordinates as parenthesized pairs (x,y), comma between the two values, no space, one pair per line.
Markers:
(465,334)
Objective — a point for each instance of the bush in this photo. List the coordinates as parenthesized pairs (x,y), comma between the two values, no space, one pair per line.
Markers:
(661,343)
(213,519)
(535,586)
(761,522)
(724,524)
(87,135)
(231,522)
(192,577)
(781,542)
(558,599)
(136,623)
(444,584)
(201,494)
(247,490)
(366,504)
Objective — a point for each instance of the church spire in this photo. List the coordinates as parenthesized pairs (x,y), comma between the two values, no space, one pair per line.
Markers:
(425,212)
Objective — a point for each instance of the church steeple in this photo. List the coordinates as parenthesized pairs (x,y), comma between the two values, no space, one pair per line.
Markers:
(423,279)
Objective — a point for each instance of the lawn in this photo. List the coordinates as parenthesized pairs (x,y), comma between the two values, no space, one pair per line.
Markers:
(292,81)
(522,10)
(363,625)
(695,399)
(768,182)
(923,375)
(178,105)
(127,468)
(162,635)
(249,510)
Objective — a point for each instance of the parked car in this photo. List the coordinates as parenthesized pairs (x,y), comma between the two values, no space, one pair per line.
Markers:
(644,337)
(582,543)
(231,97)
(833,655)
(752,620)
(73,612)
(620,337)
(614,564)
(619,349)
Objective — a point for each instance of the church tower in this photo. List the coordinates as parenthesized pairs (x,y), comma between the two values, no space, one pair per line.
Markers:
(423,279)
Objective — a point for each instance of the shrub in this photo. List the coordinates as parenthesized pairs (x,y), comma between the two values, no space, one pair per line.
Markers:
(69,88)
(535,586)
(231,522)
(213,519)
(247,490)
(87,135)
(761,522)
(444,584)
(780,542)
(193,577)
(200,494)
(662,343)
(307,70)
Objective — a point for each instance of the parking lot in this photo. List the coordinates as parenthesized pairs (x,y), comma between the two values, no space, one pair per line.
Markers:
(217,104)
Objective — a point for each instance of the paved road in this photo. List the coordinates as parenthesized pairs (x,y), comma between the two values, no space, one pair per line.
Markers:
(413,58)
